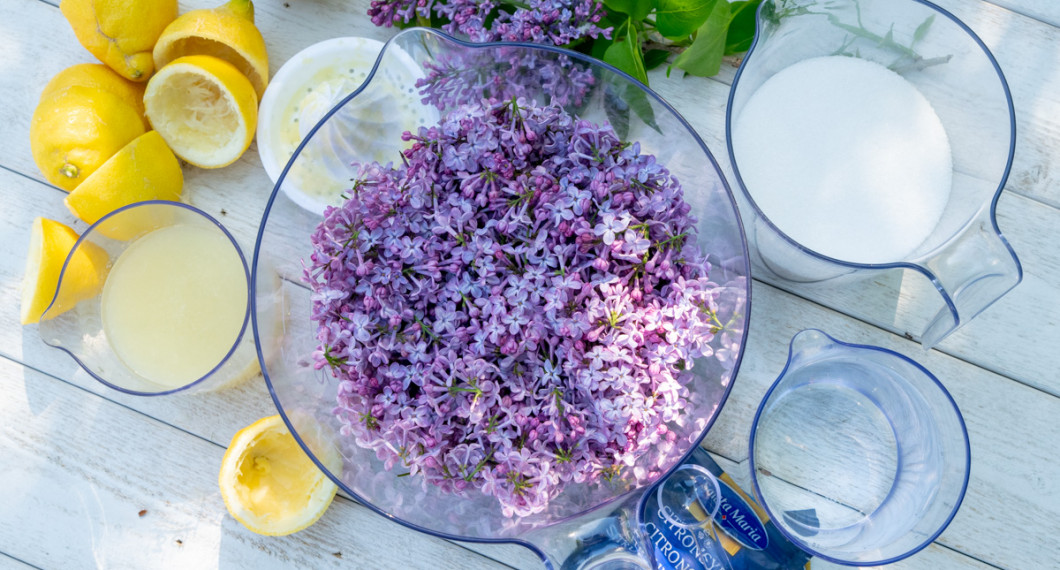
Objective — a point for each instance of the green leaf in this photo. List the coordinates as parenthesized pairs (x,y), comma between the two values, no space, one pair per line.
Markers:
(703,57)
(617,108)
(621,97)
(638,101)
(654,58)
(679,18)
(741,26)
(922,29)
(613,20)
(625,54)
(600,47)
(635,9)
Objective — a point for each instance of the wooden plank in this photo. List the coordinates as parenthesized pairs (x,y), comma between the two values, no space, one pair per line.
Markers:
(934,556)
(1047,11)
(1014,337)
(9,563)
(89,482)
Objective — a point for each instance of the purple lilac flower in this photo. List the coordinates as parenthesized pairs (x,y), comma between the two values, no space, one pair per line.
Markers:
(549,22)
(480,340)
(501,73)
(469,76)
(387,13)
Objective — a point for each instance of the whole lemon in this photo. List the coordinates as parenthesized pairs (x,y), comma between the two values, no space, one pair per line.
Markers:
(76,130)
(98,76)
(121,33)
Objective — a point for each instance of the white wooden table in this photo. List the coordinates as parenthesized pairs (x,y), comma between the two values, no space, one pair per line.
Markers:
(89,477)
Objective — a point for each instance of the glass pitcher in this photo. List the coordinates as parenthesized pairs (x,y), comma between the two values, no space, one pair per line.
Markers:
(144,330)
(858,453)
(965,259)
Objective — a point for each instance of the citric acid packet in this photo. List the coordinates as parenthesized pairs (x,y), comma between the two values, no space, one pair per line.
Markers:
(739,537)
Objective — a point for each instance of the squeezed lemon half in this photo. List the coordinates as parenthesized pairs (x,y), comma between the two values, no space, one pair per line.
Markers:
(268,482)
(204,108)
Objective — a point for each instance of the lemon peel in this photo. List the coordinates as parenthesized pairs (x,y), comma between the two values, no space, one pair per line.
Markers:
(144,169)
(75,131)
(226,32)
(97,76)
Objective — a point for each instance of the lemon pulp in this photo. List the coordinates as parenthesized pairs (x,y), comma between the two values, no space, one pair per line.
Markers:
(204,108)
(197,111)
(276,478)
(174,303)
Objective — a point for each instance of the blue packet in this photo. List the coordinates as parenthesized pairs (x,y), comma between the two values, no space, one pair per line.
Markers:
(739,537)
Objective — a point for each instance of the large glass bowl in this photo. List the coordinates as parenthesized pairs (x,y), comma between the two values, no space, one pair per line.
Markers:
(419,76)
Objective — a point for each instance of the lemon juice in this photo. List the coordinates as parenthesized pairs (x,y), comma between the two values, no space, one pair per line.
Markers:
(174,303)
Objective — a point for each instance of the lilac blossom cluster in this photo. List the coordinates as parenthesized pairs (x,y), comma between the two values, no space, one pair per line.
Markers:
(515,308)
(549,22)
(467,76)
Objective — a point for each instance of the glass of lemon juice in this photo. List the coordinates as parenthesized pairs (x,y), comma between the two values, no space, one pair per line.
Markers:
(167,306)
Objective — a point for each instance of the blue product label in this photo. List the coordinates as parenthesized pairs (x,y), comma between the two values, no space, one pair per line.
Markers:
(679,548)
(736,517)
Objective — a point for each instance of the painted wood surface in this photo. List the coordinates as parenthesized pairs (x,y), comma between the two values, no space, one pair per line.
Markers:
(79,462)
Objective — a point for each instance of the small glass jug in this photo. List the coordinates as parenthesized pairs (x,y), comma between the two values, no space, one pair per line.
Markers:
(964,258)
(859,454)
(168,310)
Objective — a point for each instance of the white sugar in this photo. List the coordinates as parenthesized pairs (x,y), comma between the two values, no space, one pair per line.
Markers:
(846,157)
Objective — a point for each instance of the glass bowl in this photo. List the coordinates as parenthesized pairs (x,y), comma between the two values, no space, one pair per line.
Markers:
(453,73)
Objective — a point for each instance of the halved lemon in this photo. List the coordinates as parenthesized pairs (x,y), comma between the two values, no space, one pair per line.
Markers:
(204,108)
(50,243)
(269,484)
(144,169)
(226,32)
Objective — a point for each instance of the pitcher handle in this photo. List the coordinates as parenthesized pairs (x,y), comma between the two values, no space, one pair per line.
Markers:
(970,273)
